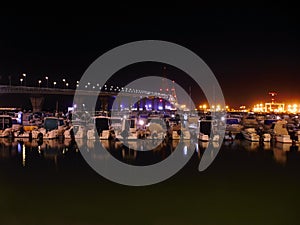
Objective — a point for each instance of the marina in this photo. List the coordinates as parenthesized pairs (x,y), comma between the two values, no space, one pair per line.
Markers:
(163,116)
(53,176)
(162,125)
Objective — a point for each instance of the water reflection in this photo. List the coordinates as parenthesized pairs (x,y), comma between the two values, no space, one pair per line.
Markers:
(28,153)
(280,156)
(281,151)
(249,145)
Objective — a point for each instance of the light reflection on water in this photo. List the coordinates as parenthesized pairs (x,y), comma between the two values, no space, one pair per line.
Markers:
(27,152)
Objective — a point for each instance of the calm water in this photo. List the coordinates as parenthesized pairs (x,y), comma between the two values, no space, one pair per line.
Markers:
(50,183)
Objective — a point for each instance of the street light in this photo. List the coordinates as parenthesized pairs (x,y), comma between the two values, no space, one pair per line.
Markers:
(40,83)
(47,80)
(67,85)
(24,75)
(64,80)
(54,83)
(21,80)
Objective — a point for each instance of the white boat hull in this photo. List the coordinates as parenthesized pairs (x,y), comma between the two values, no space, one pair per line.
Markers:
(203,137)
(283,139)
(250,136)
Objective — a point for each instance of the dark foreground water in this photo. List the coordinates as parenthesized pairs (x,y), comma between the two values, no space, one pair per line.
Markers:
(50,183)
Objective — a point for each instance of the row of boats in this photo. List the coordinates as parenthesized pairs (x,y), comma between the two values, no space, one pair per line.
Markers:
(152,127)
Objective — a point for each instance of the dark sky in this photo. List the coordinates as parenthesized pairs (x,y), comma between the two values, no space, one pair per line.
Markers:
(251,51)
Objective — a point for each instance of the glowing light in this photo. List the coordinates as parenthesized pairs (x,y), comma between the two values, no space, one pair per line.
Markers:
(141,122)
(23,156)
(19,148)
(185,150)
(197,147)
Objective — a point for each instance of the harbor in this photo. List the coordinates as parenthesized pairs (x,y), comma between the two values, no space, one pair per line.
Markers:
(39,179)
(156,116)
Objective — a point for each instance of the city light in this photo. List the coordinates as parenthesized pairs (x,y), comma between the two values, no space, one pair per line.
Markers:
(24,75)
(258,108)
(276,108)
(216,108)
(47,79)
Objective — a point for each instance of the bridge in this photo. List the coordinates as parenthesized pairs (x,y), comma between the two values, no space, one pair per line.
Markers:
(37,94)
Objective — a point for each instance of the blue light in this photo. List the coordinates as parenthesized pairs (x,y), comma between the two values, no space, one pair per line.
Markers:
(19,148)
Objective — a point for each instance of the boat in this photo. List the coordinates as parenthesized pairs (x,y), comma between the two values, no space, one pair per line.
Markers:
(281,132)
(69,133)
(42,133)
(203,137)
(233,126)
(79,131)
(91,134)
(229,136)
(21,133)
(266,137)
(103,129)
(116,124)
(181,134)
(205,130)
(250,134)
(155,130)
(129,131)
(250,121)
(6,126)
(53,128)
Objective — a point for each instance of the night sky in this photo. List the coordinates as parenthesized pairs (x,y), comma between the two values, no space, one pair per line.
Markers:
(251,51)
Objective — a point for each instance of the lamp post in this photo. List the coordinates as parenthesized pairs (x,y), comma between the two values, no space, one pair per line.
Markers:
(39,83)
(47,80)
(21,80)
(67,85)
(24,75)
(54,83)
